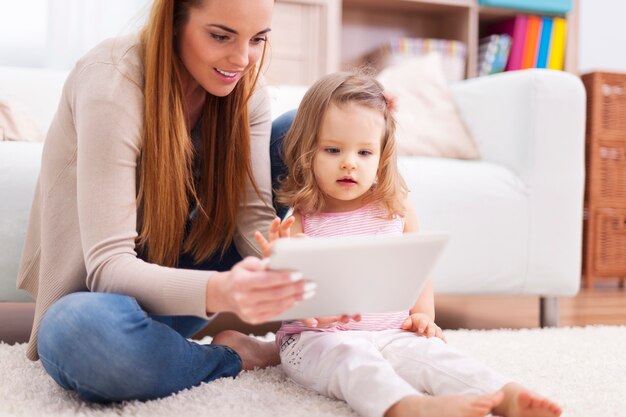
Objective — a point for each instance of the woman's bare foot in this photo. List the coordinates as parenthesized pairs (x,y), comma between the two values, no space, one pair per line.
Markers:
(253,352)
(449,406)
(520,402)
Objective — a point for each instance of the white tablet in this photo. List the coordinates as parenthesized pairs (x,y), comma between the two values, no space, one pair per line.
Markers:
(357,275)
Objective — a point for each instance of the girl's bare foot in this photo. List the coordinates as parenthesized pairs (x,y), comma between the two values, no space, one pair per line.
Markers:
(253,352)
(520,402)
(449,406)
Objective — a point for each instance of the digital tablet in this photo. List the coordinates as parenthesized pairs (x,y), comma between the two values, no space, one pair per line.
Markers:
(356,275)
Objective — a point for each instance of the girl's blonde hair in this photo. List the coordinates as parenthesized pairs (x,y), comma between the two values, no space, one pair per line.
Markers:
(299,189)
(166,188)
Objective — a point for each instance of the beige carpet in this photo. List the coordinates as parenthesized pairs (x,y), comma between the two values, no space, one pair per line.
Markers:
(583,369)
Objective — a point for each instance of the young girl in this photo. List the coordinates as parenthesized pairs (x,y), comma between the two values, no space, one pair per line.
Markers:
(343,180)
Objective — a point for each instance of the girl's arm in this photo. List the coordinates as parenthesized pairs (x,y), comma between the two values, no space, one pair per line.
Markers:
(425,303)
(296,228)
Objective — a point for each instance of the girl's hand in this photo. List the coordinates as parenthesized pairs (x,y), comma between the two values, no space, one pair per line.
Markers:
(423,325)
(277,230)
(253,292)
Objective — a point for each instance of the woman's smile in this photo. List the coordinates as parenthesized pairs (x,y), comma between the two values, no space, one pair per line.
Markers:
(227,76)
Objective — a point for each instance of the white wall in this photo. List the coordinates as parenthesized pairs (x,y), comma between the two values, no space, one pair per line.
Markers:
(23,32)
(56,33)
(602,35)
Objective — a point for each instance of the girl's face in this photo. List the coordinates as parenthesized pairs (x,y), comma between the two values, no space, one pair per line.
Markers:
(222,40)
(347,155)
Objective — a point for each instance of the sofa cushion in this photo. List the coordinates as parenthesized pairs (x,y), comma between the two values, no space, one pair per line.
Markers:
(428,123)
(33,91)
(19,168)
(486,208)
(17,125)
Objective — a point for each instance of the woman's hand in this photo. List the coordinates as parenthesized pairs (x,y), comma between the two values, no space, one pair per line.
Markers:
(423,325)
(253,292)
(277,230)
(327,321)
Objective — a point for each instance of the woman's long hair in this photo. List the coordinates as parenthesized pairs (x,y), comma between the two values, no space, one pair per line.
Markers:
(299,189)
(166,188)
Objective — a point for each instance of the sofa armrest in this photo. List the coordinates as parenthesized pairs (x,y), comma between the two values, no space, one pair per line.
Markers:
(533,122)
(19,169)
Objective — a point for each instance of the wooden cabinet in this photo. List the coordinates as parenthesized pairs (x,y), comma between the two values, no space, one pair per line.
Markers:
(303,44)
(311,38)
(604,243)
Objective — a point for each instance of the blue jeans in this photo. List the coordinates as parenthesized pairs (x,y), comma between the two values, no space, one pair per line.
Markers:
(279,128)
(106,348)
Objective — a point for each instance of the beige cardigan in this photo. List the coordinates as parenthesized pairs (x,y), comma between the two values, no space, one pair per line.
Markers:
(82,227)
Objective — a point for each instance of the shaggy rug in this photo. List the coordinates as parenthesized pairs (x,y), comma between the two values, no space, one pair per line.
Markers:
(583,369)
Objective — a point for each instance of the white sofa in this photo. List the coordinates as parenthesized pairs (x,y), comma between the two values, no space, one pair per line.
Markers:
(515,215)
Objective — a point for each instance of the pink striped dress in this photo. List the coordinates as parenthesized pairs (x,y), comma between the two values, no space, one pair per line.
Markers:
(366,221)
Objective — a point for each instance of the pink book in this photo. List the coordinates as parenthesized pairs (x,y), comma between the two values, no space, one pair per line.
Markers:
(516,28)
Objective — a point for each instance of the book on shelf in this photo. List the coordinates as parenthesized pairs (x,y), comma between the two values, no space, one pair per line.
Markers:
(533,29)
(536,41)
(557,44)
(493,53)
(515,27)
(452,52)
(544,42)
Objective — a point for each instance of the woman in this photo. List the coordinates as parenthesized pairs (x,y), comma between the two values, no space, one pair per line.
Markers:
(155,174)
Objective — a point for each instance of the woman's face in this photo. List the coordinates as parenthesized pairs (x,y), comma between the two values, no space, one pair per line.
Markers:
(222,40)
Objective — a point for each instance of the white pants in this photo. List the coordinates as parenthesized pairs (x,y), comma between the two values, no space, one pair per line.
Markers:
(371,371)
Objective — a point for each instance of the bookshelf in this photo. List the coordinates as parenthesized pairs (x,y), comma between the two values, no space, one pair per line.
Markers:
(313,37)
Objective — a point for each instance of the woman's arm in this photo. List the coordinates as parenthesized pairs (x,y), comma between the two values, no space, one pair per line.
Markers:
(258,212)
(107,114)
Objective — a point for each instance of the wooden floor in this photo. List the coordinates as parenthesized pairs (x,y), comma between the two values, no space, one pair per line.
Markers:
(604,304)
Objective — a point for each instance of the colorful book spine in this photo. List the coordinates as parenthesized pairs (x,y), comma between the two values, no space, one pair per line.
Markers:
(487,52)
(493,53)
(504,48)
(516,29)
(533,31)
(557,45)
(544,42)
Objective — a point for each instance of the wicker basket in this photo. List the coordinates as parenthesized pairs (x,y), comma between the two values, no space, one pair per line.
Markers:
(608,162)
(606,105)
(604,243)
(610,242)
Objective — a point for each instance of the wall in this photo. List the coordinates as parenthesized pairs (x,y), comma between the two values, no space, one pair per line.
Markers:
(602,35)
(23,32)
(56,33)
